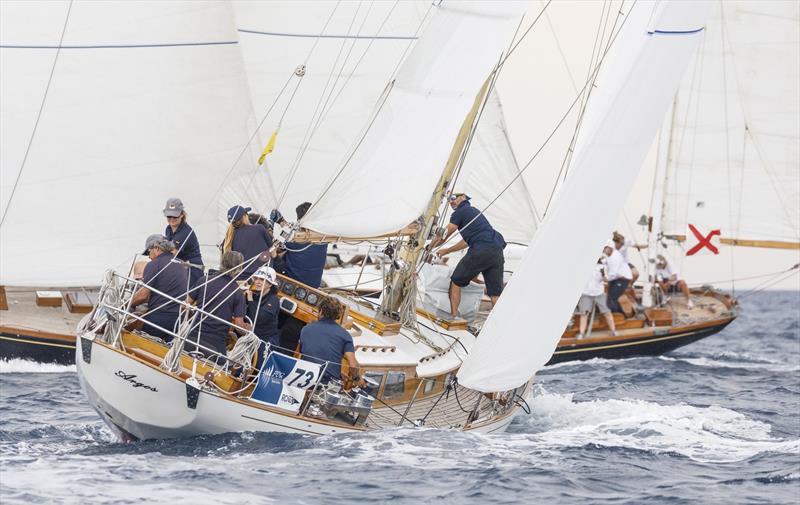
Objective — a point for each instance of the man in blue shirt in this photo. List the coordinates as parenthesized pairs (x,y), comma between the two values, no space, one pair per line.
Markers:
(218,293)
(326,341)
(165,276)
(485,254)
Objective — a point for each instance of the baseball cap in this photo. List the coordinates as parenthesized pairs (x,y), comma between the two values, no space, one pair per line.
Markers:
(153,241)
(173,208)
(236,212)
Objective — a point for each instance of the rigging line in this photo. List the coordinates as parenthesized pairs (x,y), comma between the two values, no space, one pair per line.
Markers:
(38,116)
(727,133)
(550,136)
(315,122)
(561,51)
(772,275)
(769,285)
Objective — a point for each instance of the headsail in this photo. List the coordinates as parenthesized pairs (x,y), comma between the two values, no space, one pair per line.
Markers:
(635,88)
(735,162)
(147,101)
(389,179)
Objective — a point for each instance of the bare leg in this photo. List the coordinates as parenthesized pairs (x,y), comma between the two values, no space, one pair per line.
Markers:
(684,289)
(582,324)
(494,300)
(455,299)
(610,321)
(635,273)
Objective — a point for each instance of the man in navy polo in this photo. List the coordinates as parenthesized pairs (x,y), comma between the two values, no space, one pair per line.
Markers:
(161,275)
(218,294)
(485,254)
(326,342)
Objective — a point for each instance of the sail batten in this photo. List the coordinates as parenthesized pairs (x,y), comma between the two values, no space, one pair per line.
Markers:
(634,90)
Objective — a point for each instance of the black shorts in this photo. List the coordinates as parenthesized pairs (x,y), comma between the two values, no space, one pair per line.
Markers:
(488,262)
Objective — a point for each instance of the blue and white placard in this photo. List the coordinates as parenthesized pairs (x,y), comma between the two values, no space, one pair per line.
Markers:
(283,381)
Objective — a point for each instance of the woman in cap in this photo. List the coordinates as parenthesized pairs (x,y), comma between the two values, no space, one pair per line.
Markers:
(183,236)
(249,239)
(262,306)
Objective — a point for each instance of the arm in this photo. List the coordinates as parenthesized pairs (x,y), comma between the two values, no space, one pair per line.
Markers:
(141,296)
(437,241)
(239,321)
(457,247)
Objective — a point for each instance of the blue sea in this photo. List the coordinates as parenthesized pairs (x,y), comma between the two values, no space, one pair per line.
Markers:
(716,422)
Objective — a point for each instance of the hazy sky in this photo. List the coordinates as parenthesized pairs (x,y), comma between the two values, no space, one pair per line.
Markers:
(537,85)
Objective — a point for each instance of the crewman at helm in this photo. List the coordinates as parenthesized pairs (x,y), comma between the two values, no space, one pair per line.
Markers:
(217,293)
(183,236)
(485,254)
(249,239)
(161,275)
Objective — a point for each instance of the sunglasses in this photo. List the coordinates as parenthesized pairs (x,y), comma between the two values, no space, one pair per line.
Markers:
(453,198)
(173,217)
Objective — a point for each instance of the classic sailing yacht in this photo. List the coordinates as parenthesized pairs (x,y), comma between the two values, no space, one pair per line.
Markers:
(423,370)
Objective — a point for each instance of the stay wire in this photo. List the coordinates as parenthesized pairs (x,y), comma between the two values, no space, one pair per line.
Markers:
(38,115)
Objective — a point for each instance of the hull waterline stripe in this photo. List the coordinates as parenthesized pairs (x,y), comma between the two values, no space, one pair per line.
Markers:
(318,36)
(286,426)
(122,46)
(639,342)
(3,337)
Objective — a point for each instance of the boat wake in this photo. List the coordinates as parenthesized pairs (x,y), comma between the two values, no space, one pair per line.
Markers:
(704,434)
(25,366)
(733,360)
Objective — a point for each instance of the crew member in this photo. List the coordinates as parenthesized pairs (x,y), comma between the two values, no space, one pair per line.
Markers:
(485,254)
(217,293)
(594,296)
(262,306)
(619,276)
(183,236)
(667,278)
(326,341)
(251,240)
(303,262)
(161,275)
(623,245)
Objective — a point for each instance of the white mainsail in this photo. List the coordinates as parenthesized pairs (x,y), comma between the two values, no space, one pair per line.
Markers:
(387,182)
(634,90)
(147,100)
(735,161)
(351,52)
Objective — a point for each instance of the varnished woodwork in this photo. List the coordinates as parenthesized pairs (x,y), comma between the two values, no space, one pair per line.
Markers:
(768,244)
(3,299)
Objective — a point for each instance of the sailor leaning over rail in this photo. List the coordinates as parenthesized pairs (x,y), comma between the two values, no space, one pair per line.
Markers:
(251,240)
(485,254)
(183,236)
(219,295)
(164,276)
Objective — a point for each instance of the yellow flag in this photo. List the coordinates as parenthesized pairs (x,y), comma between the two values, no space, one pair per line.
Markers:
(269,148)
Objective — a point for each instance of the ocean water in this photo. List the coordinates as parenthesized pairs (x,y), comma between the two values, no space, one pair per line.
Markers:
(717,422)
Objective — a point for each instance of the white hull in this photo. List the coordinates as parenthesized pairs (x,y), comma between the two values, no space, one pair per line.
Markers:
(139,401)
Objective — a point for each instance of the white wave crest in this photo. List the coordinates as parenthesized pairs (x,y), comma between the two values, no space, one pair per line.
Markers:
(708,434)
(26,366)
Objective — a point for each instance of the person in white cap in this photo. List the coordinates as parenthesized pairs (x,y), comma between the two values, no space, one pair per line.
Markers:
(667,277)
(619,276)
(263,307)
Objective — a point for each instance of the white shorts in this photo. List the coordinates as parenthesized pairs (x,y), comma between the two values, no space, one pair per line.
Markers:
(586,302)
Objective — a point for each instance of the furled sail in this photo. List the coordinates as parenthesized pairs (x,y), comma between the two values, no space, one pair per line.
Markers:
(634,89)
(351,52)
(388,180)
(146,101)
(734,165)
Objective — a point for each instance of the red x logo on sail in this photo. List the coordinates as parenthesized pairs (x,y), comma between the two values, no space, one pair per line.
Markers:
(703,241)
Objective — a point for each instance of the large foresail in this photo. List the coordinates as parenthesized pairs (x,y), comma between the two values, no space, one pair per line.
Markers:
(388,180)
(142,101)
(634,89)
(735,162)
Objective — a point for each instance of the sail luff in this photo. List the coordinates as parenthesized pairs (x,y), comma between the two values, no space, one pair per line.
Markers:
(634,90)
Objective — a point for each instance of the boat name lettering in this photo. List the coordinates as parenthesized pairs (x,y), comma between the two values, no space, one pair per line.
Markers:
(134,382)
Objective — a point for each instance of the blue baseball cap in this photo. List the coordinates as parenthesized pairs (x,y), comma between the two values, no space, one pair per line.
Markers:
(236,212)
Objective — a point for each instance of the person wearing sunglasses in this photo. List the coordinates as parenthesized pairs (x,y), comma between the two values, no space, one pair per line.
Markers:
(183,236)
(485,253)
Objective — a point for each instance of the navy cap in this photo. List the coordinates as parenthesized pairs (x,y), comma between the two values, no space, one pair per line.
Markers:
(236,212)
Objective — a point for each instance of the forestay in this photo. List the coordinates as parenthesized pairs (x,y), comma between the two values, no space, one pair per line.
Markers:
(388,181)
(735,161)
(634,89)
(147,101)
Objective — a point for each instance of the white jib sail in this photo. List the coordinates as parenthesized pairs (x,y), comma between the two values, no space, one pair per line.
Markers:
(148,100)
(635,87)
(735,162)
(389,179)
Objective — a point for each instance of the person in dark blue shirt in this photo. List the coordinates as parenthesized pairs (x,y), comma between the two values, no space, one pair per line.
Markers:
(326,341)
(303,262)
(161,275)
(183,236)
(217,293)
(263,307)
(485,254)
(251,240)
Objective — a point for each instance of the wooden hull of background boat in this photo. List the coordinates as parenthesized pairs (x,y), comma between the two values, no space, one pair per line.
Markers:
(37,346)
(651,344)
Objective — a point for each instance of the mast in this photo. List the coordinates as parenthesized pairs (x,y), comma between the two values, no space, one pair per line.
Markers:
(401,279)
(657,200)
